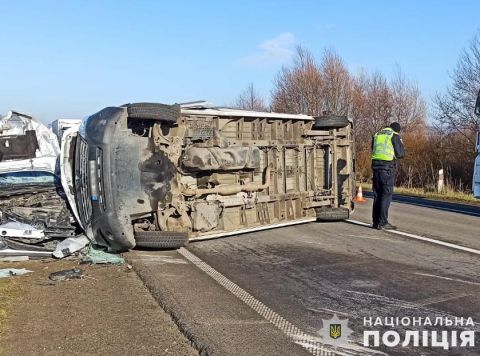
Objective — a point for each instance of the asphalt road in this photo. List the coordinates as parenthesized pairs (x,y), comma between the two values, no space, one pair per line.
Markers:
(431,219)
(244,295)
(466,209)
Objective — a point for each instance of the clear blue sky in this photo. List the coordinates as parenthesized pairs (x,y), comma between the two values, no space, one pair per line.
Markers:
(72,58)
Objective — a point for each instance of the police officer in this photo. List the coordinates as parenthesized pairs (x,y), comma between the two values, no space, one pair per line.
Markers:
(387,148)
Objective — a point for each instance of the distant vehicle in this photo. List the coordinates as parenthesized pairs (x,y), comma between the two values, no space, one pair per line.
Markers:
(476,169)
(59,126)
(159,175)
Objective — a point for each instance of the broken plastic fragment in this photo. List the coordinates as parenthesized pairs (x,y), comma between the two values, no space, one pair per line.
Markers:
(14,258)
(70,245)
(67,274)
(32,253)
(9,272)
(18,229)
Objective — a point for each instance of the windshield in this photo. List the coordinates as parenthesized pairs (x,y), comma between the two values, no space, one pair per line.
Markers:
(31,178)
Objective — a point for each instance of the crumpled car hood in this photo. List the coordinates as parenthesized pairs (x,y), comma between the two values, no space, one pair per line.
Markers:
(26,145)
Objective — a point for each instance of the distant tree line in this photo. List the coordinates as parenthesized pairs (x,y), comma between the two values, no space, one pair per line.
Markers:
(372,101)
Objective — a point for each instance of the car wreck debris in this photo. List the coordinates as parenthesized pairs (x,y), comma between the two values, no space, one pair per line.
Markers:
(70,245)
(34,213)
(65,275)
(10,272)
(96,255)
(7,251)
(18,229)
(14,258)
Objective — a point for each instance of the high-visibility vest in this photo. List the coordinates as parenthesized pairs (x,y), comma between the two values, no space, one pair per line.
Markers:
(382,145)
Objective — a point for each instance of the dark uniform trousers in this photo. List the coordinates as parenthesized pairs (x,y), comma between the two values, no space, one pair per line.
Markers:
(382,194)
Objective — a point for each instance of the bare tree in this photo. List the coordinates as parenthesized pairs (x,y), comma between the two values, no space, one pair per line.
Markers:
(298,89)
(455,118)
(408,106)
(454,108)
(336,83)
(369,99)
(310,88)
(250,99)
(372,103)
(375,103)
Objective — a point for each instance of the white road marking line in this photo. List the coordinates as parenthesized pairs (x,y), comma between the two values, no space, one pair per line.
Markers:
(356,222)
(311,343)
(447,278)
(251,229)
(422,238)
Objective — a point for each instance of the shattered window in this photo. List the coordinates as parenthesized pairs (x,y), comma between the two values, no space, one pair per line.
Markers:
(19,178)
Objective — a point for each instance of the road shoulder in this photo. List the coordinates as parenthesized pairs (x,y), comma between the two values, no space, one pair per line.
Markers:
(217,322)
(109,312)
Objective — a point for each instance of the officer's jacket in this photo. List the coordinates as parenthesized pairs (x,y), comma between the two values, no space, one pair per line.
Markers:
(399,153)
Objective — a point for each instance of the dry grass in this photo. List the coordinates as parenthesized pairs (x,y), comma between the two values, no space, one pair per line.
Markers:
(448,195)
(10,290)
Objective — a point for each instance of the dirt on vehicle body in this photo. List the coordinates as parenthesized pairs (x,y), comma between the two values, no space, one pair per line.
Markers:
(158,175)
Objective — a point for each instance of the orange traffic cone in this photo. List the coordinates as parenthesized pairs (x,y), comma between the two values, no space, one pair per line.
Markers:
(359,198)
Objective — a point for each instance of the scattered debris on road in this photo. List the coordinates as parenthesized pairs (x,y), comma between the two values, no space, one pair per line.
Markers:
(39,316)
(18,229)
(97,255)
(65,275)
(14,258)
(19,251)
(10,272)
(70,245)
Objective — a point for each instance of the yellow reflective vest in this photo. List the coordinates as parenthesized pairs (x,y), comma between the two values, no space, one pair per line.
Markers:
(382,145)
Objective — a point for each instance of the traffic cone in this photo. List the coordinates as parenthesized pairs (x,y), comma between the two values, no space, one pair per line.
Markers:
(359,198)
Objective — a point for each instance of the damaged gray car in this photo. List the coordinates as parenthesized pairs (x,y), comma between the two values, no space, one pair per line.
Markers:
(158,175)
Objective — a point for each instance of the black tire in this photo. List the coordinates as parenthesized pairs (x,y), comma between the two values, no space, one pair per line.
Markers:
(153,111)
(330,122)
(161,239)
(332,214)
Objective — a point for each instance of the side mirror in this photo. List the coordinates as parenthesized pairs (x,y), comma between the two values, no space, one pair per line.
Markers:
(477,105)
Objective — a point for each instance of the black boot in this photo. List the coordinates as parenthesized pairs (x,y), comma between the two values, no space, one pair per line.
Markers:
(387,226)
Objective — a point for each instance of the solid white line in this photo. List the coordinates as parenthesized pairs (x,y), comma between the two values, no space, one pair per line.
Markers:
(311,343)
(356,222)
(423,238)
(250,229)
(447,278)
